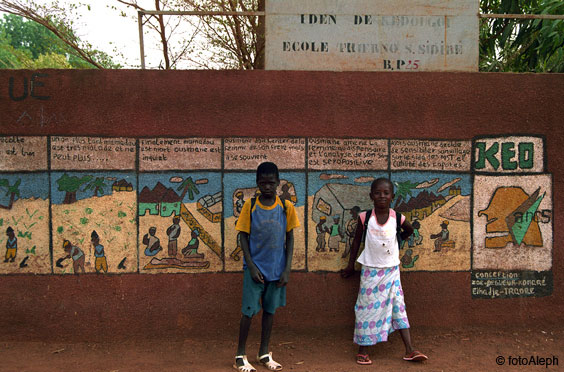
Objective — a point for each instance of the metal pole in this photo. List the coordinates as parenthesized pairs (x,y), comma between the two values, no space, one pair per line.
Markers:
(141,43)
(202,13)
(523,16)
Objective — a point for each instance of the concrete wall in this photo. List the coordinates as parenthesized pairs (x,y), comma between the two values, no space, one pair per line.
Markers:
(40,302)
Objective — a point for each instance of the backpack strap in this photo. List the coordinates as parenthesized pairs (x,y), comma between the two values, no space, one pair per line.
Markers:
(253,202)
(364,218)
(398,228)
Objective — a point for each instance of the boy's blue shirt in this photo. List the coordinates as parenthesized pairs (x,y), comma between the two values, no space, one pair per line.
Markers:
(267,235)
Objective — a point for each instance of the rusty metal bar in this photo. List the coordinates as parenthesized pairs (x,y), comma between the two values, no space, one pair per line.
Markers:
(141,42)
(523,16)
(204,13)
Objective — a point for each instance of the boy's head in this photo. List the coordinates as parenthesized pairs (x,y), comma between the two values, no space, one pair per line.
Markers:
(267,168)
(268,179)
(10,231)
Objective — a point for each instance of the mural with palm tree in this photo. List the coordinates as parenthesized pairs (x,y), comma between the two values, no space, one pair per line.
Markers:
(188,187)
(97,185)
(12,191)
(70,185)
(402,190)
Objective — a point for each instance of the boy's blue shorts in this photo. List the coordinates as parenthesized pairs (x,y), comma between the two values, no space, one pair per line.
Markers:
(254,293)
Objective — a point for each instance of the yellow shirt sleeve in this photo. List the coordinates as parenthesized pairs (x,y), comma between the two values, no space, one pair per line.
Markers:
(244,221)
(292,220)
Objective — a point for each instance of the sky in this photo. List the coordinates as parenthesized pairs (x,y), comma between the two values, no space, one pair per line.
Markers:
(107,30)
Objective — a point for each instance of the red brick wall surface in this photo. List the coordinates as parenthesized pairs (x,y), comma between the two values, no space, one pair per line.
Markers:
(273,104)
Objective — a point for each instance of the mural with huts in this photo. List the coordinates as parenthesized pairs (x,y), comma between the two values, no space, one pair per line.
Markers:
(240,187)
(336,198)
(180,222)
(438,207)
(94,224)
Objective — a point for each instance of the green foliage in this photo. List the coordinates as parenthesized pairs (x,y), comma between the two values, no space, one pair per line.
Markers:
(522,45)
(72,183)
(39,35)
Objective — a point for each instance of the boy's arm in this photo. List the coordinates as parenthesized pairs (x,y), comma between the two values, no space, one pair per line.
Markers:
(407,230)
(253,269)
(285,277)
(349,270)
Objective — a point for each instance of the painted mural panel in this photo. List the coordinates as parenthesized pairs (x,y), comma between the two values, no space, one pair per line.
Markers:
(347,153)
(438,207)
(91,153)
(248,153)
(512,154)
(20,153)
(179,153)
(335,198)
(512,222)
(417,154)
(24,223)
(239,187)
(94,225)
(180,216)
(173,207)
(371,35)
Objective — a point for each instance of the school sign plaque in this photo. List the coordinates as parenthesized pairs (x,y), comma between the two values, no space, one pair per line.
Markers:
(372,35)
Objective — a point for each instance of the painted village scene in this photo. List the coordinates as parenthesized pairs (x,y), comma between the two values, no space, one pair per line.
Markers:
(108,216)
(180,222)
(437,206)
(94,222)
(24,223)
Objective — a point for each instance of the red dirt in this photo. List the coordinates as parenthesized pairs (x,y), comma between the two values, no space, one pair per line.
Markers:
(324,350)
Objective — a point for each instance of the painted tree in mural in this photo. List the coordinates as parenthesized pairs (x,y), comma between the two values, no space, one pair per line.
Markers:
(188,186)
(402,190)
(11,190)
(70,185)
(97,185)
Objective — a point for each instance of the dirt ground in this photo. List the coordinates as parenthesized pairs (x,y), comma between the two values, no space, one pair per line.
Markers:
(465,349)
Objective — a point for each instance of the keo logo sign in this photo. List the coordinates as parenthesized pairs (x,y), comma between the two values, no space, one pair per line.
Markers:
(509,155)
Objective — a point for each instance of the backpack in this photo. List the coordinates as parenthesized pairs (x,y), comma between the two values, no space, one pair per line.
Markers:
(367,214)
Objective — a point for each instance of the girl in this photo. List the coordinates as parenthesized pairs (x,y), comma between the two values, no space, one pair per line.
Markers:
(380,308)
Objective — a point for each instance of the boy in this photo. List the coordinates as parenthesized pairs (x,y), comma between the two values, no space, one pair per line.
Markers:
(266,234)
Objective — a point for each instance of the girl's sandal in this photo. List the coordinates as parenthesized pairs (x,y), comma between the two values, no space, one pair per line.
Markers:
(246,367)
(363,359)
(269,363)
